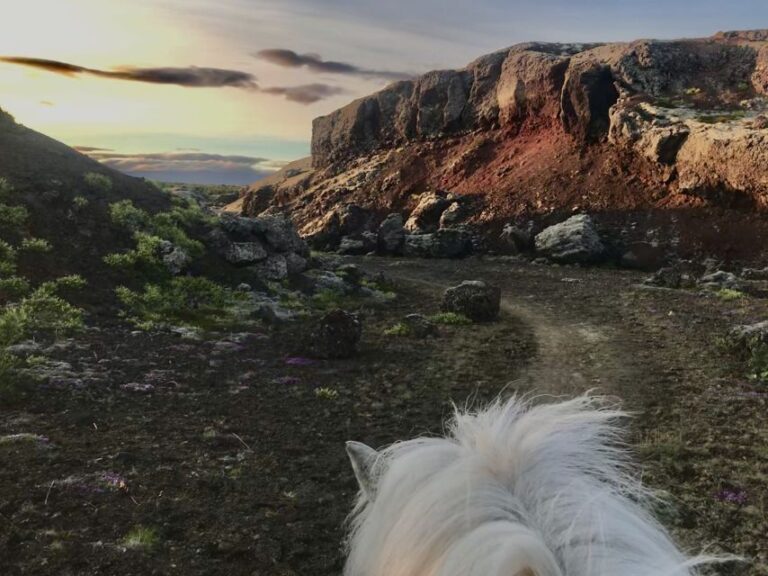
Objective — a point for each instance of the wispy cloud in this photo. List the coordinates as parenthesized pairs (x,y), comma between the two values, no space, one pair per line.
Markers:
(189,77)
(190,167)
(314,63)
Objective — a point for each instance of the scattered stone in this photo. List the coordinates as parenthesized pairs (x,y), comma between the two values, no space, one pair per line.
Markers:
(327,280)
(420,326)
(574,241)
(748,336)
(26,348)
(327,232)
(337,335)
(391,235)
(668,277)
(755,274)
(425,218)
(186,332)
(474,299)
(358,246)
(281,235)
(720,280)
(296,263)
(138,388)
(244,253)
(454,215)
(243,287)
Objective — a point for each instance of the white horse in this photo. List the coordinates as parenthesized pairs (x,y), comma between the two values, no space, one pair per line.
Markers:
(514,490)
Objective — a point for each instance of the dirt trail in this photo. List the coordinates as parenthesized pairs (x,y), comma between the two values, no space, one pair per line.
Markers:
(575,353)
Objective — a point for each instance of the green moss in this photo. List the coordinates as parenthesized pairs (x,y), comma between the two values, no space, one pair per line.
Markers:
(721,118)
(450,319)
(729,294)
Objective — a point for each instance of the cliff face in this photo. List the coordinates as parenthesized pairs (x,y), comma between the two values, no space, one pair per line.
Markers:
(574,85)
(661,132)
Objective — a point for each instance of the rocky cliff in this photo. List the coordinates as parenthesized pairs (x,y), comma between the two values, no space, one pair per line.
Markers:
(670,131)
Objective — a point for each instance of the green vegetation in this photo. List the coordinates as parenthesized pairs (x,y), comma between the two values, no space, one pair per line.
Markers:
(98,182)
(450,319)
(141,537)
(399,329)
(326,393)
(721,118)
(80,202)
(758,362)
(150,231)
(183,301)
(38,245)
(12,217)
(728,294)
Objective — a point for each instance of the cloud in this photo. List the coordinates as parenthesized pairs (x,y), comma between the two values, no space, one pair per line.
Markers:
(314,63)
(189,77)
(306,94)
(186,167)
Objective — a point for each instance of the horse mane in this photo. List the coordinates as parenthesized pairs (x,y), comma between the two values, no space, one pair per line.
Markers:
(515,489)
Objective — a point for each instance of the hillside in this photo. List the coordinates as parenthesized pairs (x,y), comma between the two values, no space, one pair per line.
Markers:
(650,137)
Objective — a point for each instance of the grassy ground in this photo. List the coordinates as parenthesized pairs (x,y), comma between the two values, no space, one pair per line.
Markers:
(161,455)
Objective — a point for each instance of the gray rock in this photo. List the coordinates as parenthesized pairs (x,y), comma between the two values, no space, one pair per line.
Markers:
(245,253)
(668,277)
(26,348)
(281,235)
(420,326)
(391,235)
(574,241)
(755,274)
(174,259)
(720,280)
(275,267)
(327,280)
(474,299)
(447,243)
(296,263)
(358,246)
(338,335)
(748,336)
(454,215)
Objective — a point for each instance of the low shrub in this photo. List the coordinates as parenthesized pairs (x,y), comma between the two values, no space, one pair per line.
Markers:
(399,329)
(450,319)
(38,245)
(98,182)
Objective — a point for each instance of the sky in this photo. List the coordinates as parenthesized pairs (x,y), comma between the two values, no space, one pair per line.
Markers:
(224,91)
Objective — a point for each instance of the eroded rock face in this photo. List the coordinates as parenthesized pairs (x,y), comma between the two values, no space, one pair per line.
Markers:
(574,241)
(426,216)
(391,235)
(474,299)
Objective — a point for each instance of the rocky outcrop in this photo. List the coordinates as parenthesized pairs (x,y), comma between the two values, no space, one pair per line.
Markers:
(445,243)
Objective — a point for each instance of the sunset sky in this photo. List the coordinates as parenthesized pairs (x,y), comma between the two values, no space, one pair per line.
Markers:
(225,90)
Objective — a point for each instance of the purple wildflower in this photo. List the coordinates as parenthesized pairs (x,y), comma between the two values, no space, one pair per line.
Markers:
(732,496)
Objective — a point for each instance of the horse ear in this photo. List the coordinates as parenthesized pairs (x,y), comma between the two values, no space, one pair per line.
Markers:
(363,458)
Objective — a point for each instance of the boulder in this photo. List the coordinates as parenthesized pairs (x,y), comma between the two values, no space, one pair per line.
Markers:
(454,215)
(391,235)
(359,246)
(338,335)
(748,336)
(245,253)
(295,263)
(326,233)
(474,299)
(426,216)
(420,326)
(667,277)
(281,235)
(448,243)
(174,259)
(574,241)
(275,267)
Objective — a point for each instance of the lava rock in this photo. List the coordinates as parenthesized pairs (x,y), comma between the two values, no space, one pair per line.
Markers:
(244,253)
(474,299)
(517,238)
(338,335)
(426,216)
(448,243)
(391,235)
(720,280)
(420,326)
(574,241)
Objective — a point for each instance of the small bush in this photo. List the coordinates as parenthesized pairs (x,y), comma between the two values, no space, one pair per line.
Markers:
(124,213)
(450,319)
(38,245)
(12,217)
(13,287)
(98,182)
(326,393)
(80,202)
(758,362)
(145,256)
(5,189)
(183,300)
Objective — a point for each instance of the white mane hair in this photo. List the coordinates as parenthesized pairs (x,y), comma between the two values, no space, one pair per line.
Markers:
(513,490)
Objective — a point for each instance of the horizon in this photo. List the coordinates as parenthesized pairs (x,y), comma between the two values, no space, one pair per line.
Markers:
(225,93)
